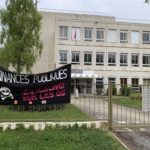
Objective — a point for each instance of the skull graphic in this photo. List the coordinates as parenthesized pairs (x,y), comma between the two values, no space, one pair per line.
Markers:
(5,93)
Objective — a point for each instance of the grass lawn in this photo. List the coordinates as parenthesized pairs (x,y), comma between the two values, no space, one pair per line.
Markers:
(66,113)
(127,101)
(58,139)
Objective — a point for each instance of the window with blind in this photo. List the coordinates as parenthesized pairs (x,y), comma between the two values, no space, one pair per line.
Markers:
(112,35)
(100,35)
(63,57)
(87,34)
(63,32)
(146,37)
(123,36)
(134,37)
(76,33)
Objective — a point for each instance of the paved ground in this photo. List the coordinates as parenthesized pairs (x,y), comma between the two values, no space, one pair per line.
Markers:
(97,108)
(134,139)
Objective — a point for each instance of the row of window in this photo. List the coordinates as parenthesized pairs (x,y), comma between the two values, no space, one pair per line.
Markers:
(123,81)
(112,56)
(112,35)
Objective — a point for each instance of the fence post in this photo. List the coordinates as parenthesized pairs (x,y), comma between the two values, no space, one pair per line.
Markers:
(110,106)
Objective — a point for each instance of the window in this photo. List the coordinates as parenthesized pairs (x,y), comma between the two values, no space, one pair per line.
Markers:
(99,86)
(123,59)
(99,58)
(146,60)
(123,36)
(135,83)
(63,32)
(75,34)
(135,60)
(63,57)
(75,57)
(100,35)
(134,37)
(123,81)
(112,35)
(146,37)
(88,34)
(112,59)
(87,58)
(112,80)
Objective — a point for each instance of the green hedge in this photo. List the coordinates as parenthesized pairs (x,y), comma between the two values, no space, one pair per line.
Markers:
(136,96)
(125,91)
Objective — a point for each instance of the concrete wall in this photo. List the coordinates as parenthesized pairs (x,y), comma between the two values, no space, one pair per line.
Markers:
(52,44)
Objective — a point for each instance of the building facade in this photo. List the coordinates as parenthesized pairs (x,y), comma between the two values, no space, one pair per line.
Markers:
(100,48)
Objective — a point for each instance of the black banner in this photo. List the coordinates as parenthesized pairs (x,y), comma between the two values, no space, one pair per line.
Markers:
(35,89)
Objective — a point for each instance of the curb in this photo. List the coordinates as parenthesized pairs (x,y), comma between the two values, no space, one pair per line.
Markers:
(41,125)
(119,140)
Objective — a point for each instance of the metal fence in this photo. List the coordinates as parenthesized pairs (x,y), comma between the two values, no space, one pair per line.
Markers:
(129,105)
(120,105)
(91,99)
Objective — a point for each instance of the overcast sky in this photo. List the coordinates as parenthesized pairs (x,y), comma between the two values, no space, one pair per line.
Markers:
(131,9)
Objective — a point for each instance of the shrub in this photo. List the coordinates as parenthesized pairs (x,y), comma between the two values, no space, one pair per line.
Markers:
(136,96)
(114,90)
(125,91)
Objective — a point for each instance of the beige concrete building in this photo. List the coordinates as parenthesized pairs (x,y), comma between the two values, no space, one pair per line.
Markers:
(99,48)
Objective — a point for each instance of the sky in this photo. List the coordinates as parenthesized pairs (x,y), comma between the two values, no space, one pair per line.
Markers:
(126,9)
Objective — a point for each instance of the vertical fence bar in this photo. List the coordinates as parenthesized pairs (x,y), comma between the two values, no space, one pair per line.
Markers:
(110,106)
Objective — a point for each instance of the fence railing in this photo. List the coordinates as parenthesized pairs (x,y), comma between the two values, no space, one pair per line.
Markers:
(120,105)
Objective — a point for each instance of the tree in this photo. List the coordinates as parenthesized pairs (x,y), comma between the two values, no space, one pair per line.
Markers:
(20,34)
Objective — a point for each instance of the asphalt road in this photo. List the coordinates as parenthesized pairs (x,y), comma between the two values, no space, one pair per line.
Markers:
(97,108)
(138,139)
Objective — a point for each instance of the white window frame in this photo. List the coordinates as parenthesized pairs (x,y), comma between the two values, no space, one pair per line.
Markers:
(78,34)
(88,34)
(63,32)
(100,63)
(112,80)
(101,33)
(123,81)
(124,59)
(112,55)
(135,37)
(64,55)
(135,83)
(146,40)
(123,36)
(99,83)
(75,53)
(133,63)
(147,60)
(112,38)
(86,60)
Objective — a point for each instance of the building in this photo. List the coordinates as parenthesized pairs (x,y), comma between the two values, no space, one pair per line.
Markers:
(100,48)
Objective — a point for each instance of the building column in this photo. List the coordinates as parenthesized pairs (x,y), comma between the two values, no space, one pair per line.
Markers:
(140,81)
(105,80)
(118,85)
(93,85)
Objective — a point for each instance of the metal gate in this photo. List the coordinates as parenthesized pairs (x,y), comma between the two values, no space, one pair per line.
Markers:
(120,105)
(126,108)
